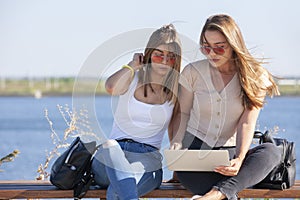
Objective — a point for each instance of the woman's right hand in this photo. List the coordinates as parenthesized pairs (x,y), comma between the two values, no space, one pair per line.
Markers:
(176,146)
(137,61)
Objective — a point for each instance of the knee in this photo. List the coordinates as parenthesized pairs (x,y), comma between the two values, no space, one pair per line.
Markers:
(109,143)
(272,150)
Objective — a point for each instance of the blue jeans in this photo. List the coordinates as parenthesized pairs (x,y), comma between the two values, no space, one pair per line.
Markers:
(128,170)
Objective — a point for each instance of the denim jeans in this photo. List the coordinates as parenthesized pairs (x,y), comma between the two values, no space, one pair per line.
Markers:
(128,170)
(258,162)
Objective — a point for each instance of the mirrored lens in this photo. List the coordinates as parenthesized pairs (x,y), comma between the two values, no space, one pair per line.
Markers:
(217,50)
(205,50)
(157,58)
(160,58)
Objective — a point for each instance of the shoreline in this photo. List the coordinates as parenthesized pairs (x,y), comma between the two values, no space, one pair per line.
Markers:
(106,94)
(41,87)
(46,95)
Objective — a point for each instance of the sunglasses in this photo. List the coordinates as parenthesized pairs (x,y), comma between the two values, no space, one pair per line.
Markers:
(218,50)
(159,58)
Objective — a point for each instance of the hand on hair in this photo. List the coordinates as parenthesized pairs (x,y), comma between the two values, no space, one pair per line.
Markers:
(137,61)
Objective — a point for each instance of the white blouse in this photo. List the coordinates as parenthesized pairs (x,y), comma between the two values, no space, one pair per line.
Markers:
(214,115)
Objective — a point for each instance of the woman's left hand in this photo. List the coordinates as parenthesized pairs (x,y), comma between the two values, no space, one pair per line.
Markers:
(232,170)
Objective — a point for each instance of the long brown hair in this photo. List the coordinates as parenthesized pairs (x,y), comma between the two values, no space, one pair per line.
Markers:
(249,69)
(165,35)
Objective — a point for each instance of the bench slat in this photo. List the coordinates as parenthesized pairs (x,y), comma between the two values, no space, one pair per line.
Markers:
(44,189)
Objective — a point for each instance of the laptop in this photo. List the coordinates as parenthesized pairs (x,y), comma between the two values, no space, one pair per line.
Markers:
(195,160)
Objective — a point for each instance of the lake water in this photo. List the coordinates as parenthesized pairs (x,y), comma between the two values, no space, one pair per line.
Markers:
(23,126)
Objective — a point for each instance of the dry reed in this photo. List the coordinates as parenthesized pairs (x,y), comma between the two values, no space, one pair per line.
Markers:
(77,124)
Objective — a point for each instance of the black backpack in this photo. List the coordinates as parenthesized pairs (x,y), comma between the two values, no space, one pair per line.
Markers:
(283,175)
(72,169)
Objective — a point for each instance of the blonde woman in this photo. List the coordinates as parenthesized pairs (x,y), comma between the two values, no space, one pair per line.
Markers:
(220,100)
(129,163)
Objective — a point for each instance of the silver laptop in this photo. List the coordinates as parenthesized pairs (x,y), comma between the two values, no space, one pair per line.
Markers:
(196,160)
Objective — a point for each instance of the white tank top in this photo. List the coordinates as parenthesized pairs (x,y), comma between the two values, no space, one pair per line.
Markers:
(139,121)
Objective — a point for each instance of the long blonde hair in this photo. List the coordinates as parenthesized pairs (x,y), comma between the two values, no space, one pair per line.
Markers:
(165,35)
(249,69)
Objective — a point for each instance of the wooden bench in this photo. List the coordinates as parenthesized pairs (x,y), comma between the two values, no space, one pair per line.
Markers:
(44,189)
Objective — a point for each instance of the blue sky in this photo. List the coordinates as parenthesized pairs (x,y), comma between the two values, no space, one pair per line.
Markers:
(55,37)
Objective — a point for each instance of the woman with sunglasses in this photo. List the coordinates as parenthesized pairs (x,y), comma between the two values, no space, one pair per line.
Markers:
(129,163)
(220,99)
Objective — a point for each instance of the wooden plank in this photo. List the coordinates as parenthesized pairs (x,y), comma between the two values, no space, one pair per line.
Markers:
(293,192)
(44,189)
(37,194)
(169,190)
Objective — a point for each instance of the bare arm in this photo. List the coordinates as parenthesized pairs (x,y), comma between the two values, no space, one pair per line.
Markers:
(245,130)
(181,118)
(119,82)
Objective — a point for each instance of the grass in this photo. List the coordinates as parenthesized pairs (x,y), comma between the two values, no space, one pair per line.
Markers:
(9,157)
(64,86)
(46,86)
(292,90)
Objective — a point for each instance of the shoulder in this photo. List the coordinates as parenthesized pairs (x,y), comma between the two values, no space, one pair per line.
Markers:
(193,73)
(197,66)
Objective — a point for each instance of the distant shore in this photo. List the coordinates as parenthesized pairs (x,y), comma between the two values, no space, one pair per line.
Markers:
(40,87)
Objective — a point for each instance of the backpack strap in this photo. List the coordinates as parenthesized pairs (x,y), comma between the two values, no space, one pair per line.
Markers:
(83,186)
(86,181)
(265,137)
